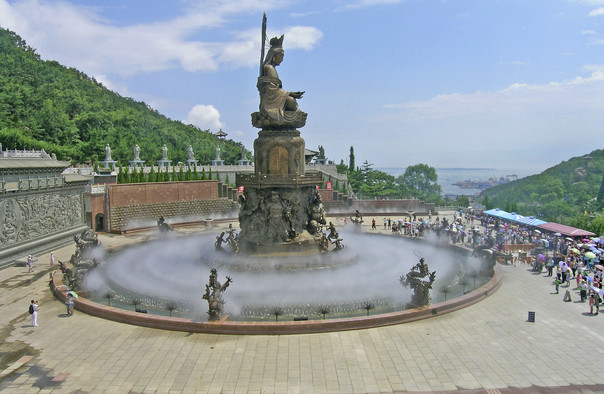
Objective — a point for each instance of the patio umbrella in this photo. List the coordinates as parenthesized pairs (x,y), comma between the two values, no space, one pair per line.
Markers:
(590,255)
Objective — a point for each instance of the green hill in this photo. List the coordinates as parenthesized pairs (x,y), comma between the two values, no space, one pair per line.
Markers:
(44,105)
(563,193)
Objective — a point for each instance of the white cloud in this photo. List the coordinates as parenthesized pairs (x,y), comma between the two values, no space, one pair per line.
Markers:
(76,36)
(359,4)
(523,124)
(205,117)
(597,12)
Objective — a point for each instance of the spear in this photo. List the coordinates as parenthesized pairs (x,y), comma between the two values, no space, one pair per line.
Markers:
(263,42)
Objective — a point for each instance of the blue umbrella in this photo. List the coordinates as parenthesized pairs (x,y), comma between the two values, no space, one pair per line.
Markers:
(589,278)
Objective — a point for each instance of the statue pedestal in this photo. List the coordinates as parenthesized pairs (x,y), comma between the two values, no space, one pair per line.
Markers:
(109,163)
(164,163)
(192,163)
(137,163)
(244,162)
(217,162)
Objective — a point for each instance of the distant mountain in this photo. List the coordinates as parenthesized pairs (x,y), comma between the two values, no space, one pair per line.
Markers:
(44,105)
(558,193)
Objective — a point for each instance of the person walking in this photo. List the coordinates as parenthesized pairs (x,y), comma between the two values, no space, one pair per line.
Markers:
(373,224)
(69,304)
(33,311)
(557,283)
(30,263)
(52,259)
(592,303)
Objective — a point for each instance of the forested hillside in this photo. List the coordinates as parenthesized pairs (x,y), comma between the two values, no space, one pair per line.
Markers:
(44,105)
(563,193)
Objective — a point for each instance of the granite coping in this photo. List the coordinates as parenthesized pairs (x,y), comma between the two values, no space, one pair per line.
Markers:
(275,328)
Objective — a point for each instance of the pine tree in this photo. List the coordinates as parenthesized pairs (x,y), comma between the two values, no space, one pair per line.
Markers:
(152,175)
(174,174)
(600,198)
(351,163)
(181,174)
(226,180)
(203,173)
(210,174)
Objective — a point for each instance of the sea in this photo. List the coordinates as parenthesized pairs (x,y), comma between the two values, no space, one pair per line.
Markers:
(447,177)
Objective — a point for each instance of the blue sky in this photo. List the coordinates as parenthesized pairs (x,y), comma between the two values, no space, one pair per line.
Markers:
(513,84)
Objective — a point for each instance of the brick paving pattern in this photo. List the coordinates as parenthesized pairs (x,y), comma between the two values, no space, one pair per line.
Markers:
(489,347)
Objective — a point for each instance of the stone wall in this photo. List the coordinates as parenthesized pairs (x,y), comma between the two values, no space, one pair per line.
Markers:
(140,205)
(161,192)
(35,222)
(134,216)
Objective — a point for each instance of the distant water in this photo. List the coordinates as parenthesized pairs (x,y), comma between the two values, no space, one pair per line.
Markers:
(448,176)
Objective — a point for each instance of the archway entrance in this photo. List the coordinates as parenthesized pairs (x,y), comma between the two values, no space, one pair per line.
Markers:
(99,222)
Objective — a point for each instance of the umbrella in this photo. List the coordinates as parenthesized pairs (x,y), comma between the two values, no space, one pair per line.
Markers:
(537,231)
(569,239)
(541,257)
(597,290)
(575,250)
(599,267)
(590,255)
(589,278)
(558,234)
(585,240)
(74,294)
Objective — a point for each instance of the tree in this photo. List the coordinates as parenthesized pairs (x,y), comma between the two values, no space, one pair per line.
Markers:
(420,181)
(351,163)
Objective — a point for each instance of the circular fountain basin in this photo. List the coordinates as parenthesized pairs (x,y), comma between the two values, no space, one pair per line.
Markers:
(362,279)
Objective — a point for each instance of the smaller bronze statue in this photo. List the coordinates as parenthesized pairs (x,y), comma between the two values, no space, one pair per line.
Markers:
(421,288)
(232,240)
(219,241)
(163,225)
(332,231)
(213,295)
(338,242)
(323,244)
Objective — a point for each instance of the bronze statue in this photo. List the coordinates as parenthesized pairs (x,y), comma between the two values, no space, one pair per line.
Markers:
(163,225)
(338,243)
(278,107)
(332,231)
(323,244)
(213,295)
(421,288)
(219,241)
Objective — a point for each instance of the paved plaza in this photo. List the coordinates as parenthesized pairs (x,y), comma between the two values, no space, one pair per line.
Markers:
(487,347)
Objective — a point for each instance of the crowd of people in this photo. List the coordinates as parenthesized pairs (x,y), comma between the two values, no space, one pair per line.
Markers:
(563,258)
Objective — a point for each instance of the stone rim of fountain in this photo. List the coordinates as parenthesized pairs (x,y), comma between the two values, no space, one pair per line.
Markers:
(281,327)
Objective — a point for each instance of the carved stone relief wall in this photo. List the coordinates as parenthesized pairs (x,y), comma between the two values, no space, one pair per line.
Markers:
(31,216)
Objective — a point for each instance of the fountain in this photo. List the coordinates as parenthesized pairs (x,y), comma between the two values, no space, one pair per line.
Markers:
(282,261)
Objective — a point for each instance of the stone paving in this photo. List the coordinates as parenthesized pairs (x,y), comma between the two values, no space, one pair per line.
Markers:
(487,347)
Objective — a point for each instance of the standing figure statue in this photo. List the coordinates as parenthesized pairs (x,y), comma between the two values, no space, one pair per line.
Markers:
(190,154)
(278,107)
(164,152)
(421,288)
(213,295)
(217,152)
(137,153)
(108,153)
